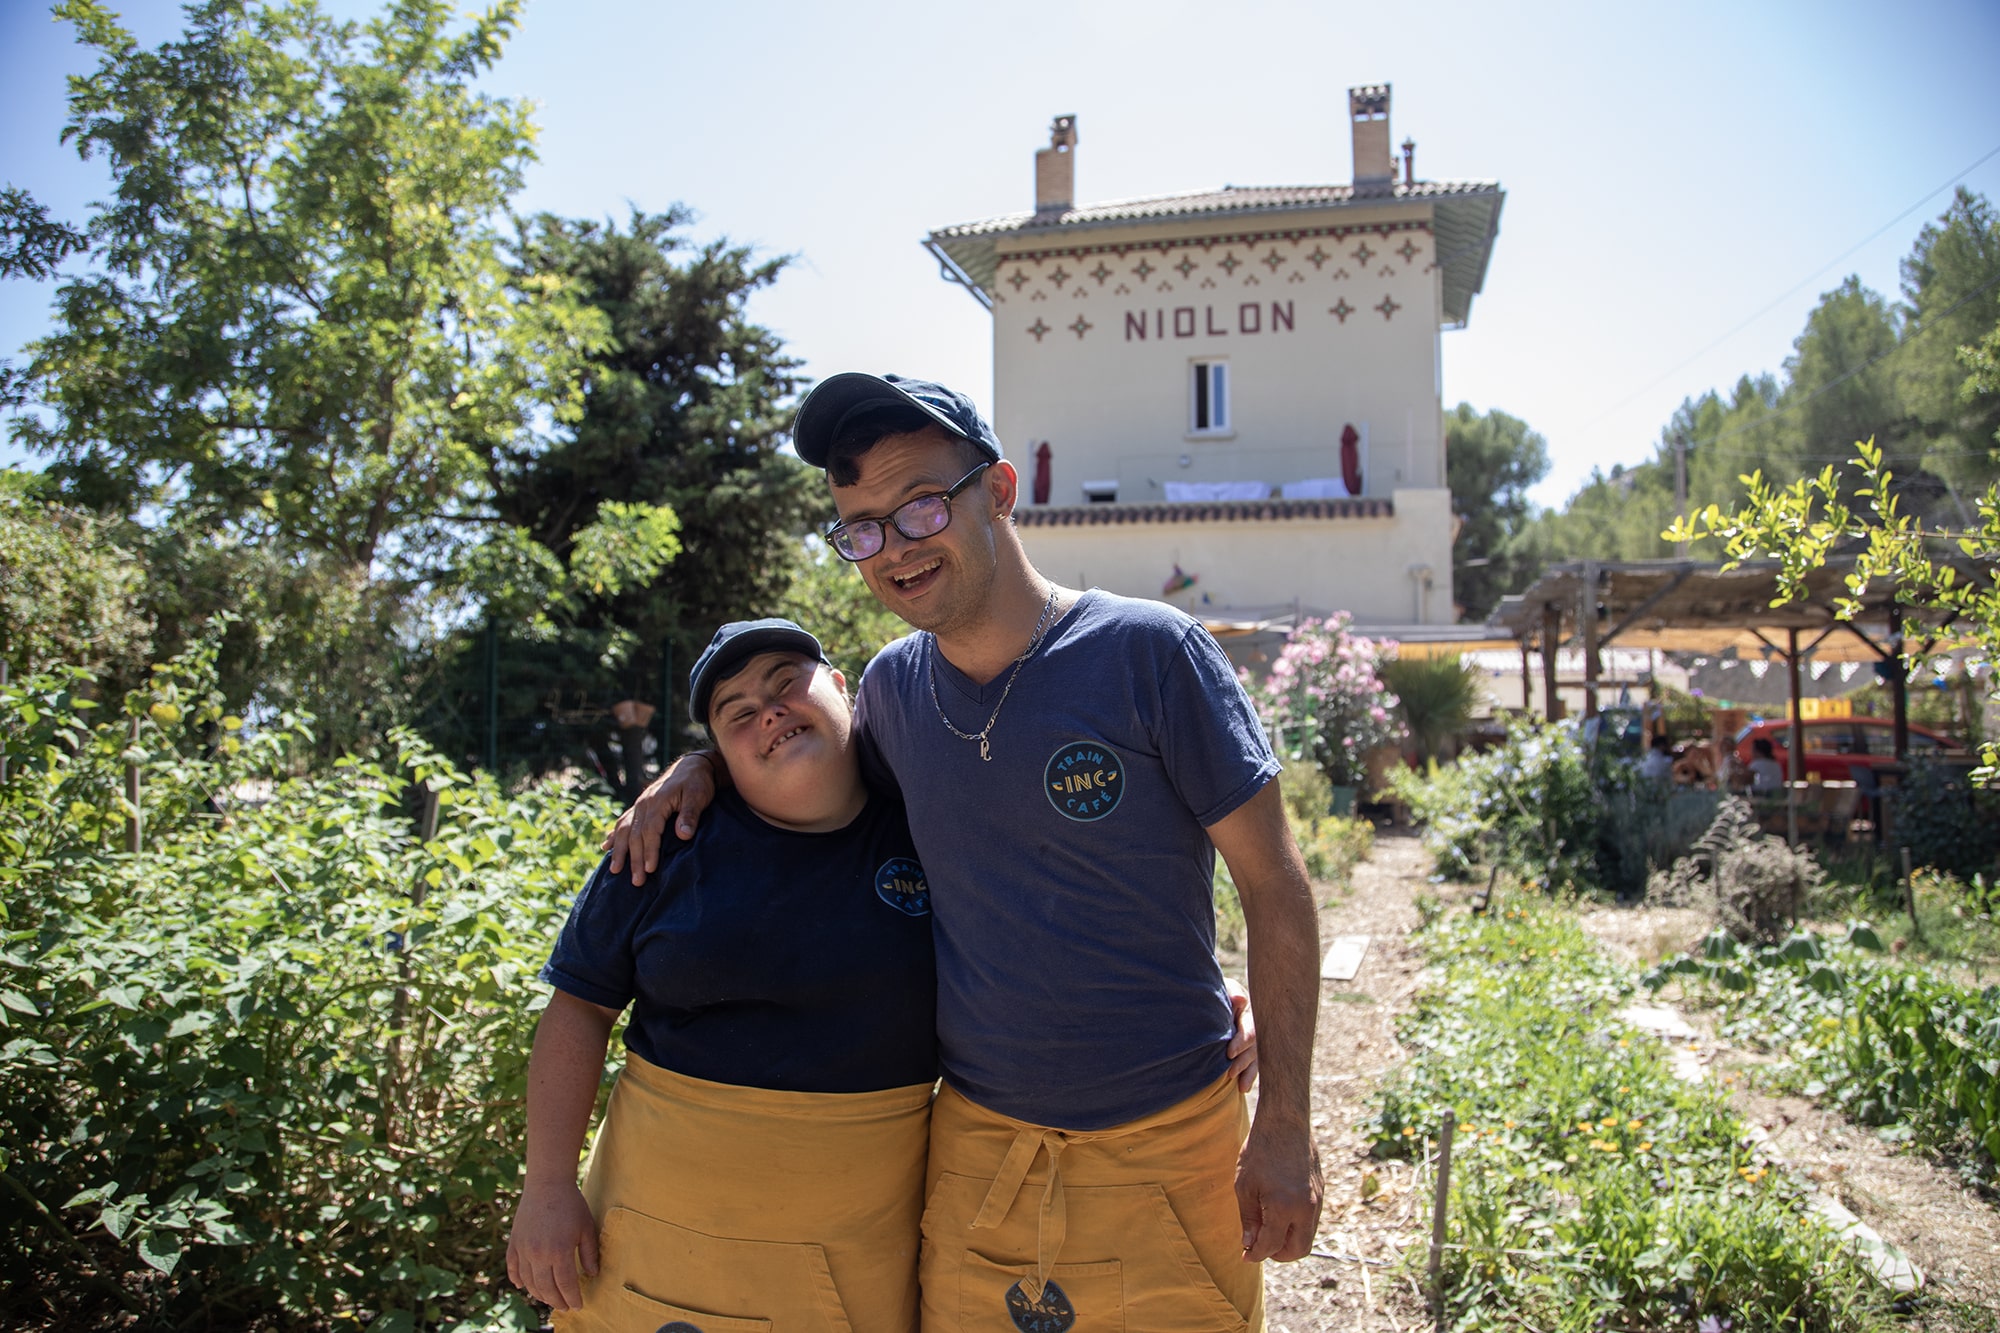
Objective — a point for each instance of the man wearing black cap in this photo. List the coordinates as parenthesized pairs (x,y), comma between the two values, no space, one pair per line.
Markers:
(1071,762)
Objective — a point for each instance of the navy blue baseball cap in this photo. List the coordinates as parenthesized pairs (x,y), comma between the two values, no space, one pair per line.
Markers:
(836,400)
(735,644)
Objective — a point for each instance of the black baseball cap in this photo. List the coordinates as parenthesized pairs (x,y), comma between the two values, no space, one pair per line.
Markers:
(834,401)
(735,644)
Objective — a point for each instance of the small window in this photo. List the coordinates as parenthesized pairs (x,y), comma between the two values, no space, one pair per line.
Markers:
(1208,400)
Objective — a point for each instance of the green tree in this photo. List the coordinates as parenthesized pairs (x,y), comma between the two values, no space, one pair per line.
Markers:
(683,408)
(1951,289)
(300,347)
(829,598)
(69,592)
(32,244)
(1491,461)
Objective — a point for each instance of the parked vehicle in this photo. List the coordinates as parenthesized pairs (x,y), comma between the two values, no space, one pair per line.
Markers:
(1837,746)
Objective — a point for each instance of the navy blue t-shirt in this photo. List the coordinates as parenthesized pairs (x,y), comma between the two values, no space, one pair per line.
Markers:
(766,958)
(1077,981)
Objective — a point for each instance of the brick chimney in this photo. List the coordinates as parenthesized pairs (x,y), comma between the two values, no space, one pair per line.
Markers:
(1374,162)
(1055,168)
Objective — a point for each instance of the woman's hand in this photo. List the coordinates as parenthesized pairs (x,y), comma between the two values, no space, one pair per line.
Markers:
(1243,1045)
(553,1228)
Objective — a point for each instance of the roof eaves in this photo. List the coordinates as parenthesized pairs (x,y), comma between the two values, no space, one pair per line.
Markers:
(1207,511)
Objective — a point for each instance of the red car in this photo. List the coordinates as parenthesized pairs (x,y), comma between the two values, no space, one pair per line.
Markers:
(1836,746)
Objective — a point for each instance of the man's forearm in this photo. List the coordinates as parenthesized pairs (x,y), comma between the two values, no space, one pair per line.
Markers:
(1282,924)
(1283,931)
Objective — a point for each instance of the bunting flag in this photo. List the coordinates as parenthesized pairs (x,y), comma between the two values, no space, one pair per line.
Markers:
(1758,669)
(1180,581)
(1847,670)
(1820,669)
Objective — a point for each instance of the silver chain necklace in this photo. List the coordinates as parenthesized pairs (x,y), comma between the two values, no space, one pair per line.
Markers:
(986,750)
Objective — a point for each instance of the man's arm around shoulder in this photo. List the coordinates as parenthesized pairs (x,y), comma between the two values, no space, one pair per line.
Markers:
(1278,1184)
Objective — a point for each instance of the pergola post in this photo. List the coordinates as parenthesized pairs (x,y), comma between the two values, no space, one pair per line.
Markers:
(1586,621)
(1795,759)
(1899,685)
(1551,639)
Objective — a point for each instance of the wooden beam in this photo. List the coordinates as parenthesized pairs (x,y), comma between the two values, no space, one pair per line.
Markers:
(1586,620)
(1796,761)
(1551,640)
(1647,605)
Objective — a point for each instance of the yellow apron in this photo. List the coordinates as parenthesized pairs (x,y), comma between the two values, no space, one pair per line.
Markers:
(723,1209)
(1133,1229)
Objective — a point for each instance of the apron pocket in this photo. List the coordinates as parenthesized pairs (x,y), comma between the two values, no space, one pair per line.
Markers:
(1086,1298)
(718,1284)
(635,1312)
(1183,1295)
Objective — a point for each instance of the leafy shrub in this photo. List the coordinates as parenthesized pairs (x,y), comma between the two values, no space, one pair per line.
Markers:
(1647,826)
(1530,804)
(1591,1188)
(1334,844)
(1324,700)
(1753,883)
(269,1068)
(1945,821)
(1435,697)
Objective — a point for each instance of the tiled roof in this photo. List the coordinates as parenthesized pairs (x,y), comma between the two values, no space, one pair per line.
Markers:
(1465,219)
(1207,511)
(1228,199)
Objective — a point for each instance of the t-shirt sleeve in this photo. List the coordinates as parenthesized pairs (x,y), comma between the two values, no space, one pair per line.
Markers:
(1212,741)
(875,770)
(593,954)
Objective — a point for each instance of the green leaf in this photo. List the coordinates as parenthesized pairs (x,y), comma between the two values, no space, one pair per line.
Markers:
(160,1251)
(19,1003)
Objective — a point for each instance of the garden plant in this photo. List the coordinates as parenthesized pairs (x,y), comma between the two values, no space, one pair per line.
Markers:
(1591,1189)
(1325,702)
(268,1068)
(1890,1042)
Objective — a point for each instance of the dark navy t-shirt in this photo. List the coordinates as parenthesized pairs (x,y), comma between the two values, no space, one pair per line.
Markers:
(766,958)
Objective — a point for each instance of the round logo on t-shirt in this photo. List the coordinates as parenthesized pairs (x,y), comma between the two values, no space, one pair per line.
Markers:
(1084,780)
(901,884)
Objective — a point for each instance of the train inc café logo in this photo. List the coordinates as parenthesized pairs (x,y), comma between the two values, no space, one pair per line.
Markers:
(1084,780)
(901,884)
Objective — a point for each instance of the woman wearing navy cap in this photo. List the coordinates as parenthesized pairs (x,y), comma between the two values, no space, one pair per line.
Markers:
(761,1163)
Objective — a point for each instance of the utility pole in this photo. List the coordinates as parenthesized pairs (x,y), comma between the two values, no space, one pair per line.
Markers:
(1681,476)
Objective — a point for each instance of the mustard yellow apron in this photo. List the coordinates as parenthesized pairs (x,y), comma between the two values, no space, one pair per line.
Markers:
(723,1209)
(1133,1229)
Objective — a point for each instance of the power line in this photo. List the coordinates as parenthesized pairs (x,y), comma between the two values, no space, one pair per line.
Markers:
(1790,291)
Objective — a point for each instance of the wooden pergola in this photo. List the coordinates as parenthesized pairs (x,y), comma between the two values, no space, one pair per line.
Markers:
(1696,606)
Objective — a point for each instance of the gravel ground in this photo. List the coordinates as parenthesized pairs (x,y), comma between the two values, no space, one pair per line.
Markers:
(1353,1280)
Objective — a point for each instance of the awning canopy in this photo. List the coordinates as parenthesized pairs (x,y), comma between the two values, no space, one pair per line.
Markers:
(1700,607)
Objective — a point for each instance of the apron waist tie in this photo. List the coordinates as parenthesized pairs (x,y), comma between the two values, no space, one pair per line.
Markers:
(1052,1227)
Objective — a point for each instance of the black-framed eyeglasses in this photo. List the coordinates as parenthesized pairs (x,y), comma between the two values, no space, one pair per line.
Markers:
(916,518)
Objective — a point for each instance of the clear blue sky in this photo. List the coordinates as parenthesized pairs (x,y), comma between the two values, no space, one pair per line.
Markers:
(1670,170)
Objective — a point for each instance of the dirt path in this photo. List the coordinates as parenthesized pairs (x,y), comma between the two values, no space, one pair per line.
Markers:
(1353,1282)
(1357,1045)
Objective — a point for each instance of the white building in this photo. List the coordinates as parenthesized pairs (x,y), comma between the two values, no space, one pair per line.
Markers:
(1236,386)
